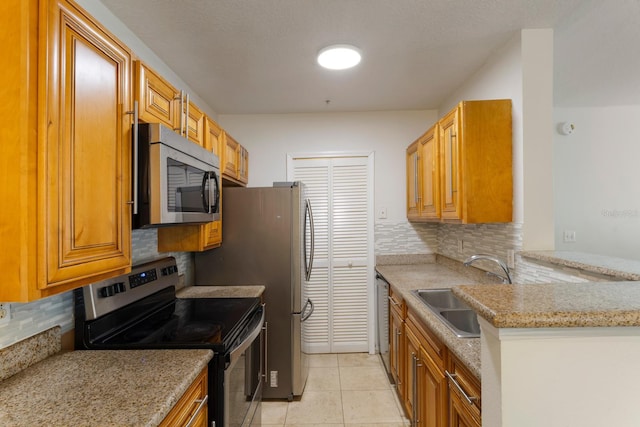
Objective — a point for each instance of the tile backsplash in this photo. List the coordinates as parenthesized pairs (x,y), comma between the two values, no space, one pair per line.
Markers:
(394,239)
(32,318)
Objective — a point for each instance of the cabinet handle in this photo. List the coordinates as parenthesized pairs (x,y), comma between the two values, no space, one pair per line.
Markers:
(265,349)
(453,377)
(201,403)
(134,202)
(393,301)
(451,156)
(186,120)
(181,98)
(414,392)
(415,180)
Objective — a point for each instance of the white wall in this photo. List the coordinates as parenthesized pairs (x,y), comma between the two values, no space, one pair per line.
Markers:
(596,176)
(269,138)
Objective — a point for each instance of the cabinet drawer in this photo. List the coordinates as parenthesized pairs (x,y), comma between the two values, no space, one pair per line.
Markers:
(436,350)
(189,404)
(464,385)
(396,303)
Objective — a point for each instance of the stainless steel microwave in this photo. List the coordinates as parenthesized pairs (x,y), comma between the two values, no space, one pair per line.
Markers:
(175,181)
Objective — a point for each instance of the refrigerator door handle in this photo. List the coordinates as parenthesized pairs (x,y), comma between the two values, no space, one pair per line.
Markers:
(304,316)
(308,261)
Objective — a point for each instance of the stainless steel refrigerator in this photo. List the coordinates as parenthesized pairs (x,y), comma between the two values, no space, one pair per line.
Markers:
(268,239)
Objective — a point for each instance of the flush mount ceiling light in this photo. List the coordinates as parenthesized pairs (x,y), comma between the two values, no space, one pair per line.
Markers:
(339,57)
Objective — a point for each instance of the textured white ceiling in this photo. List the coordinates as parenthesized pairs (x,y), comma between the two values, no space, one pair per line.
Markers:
(258,56)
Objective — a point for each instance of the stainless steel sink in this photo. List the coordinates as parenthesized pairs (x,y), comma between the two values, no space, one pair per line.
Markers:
(453,312)
(463,321)
(441,298)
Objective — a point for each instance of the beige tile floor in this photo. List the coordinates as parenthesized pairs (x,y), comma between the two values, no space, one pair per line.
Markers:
(343,390)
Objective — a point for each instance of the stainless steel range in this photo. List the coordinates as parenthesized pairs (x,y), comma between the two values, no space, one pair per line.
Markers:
(140,310)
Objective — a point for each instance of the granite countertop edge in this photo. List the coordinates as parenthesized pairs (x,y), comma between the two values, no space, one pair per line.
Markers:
(224,291)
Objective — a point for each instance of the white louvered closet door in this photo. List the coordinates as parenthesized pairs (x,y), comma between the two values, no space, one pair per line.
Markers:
(338,189)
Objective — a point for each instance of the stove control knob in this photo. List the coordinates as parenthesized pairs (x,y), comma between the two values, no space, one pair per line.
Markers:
(106,291)
(119,287)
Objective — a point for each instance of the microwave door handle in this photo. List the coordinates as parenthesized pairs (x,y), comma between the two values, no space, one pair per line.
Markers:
(216,194)
(205,202)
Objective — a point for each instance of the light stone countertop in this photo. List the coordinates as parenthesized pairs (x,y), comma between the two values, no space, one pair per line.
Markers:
(556,305)
(405,278)
(617,268)
(100,388)
(247,291)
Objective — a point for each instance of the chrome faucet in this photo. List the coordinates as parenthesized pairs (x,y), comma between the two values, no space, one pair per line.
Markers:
(506,278)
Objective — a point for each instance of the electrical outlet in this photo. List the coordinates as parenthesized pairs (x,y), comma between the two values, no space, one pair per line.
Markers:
(5,313)
(460,246)
(382,213)
(569,236)
(273,379)
(511,258)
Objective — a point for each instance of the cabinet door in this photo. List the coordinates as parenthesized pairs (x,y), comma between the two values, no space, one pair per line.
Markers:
(459,416)
(413,374)
(450,166)
(413,182)
(194,124)
(243,167)
(213,142)
(396,350)
(87,218)
(432,410)
(429,175)
(230,166)
(158,101)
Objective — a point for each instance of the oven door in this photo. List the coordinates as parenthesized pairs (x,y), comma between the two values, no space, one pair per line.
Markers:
(243,377)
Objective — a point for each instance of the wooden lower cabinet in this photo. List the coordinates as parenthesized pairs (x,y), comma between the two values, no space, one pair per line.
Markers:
(191,409)
(464,396)
(420,362)
(428,382)
(397,350)
(397,346)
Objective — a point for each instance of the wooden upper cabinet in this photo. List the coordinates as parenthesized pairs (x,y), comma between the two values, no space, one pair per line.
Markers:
(194,123)
(413,182)
(461,169)
(423,178)
(214,138)
(476,163)
(235,162)
(230,166)
(451,194)
(160,102)
(72,172)
(429,175)
(243,166)
(156,98)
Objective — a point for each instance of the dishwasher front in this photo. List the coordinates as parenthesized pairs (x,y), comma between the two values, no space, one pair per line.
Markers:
(382,298)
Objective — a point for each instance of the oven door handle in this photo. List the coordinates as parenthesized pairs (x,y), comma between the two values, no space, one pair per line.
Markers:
(239,349)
